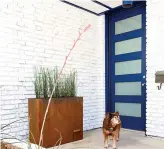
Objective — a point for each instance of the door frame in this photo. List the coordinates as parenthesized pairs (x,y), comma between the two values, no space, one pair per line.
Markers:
(108,52)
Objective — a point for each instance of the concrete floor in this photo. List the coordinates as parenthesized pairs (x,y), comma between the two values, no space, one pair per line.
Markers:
(128,140)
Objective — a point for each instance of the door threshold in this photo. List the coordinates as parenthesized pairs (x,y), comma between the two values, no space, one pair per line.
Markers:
(137,131)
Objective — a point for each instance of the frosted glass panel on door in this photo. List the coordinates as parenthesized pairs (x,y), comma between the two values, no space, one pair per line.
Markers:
(128,109)
(129,24)
(128,46)
(128,67)
(128,88)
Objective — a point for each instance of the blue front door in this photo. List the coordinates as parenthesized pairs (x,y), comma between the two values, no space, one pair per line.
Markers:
(128,67)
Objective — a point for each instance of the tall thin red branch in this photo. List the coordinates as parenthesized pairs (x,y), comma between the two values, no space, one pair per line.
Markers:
(58,78)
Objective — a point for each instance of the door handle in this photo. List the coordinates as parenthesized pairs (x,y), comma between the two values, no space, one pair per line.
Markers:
(143,84)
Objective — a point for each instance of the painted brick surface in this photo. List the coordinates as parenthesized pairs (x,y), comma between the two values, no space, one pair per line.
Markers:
(38,32)
(155,62)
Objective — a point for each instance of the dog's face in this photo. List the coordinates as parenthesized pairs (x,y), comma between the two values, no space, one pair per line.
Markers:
(114,118)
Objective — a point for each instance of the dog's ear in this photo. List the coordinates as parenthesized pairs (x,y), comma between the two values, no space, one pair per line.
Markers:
(111,115)
(107,115)
(117,113)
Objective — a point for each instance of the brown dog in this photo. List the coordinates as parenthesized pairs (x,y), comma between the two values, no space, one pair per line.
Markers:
(111,127)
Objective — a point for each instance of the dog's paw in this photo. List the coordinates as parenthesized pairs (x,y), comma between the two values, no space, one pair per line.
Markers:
(106,146)
(118,139)
(114,147)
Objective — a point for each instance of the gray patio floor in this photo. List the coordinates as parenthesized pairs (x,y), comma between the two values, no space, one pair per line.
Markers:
(128,140)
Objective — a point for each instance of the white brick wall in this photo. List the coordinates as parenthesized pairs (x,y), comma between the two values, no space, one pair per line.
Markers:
(39,32)
(155,62)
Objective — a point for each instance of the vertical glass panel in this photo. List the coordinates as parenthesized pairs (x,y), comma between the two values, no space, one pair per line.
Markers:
(129,24)
(128,109)
(128,67)
(128,46)
(128,88)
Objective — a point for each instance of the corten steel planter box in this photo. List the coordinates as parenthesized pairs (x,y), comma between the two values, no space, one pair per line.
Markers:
(65,115)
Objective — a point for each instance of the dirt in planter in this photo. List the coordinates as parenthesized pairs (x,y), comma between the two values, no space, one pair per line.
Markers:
(5,145)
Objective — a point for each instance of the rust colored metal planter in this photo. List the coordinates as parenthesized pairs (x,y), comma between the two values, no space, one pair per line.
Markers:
(64,115)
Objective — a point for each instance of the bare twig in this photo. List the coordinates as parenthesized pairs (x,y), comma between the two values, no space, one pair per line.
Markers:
(60,139)
(58,78)
(12,137)
(2,128)
(29,117)
(33,139)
